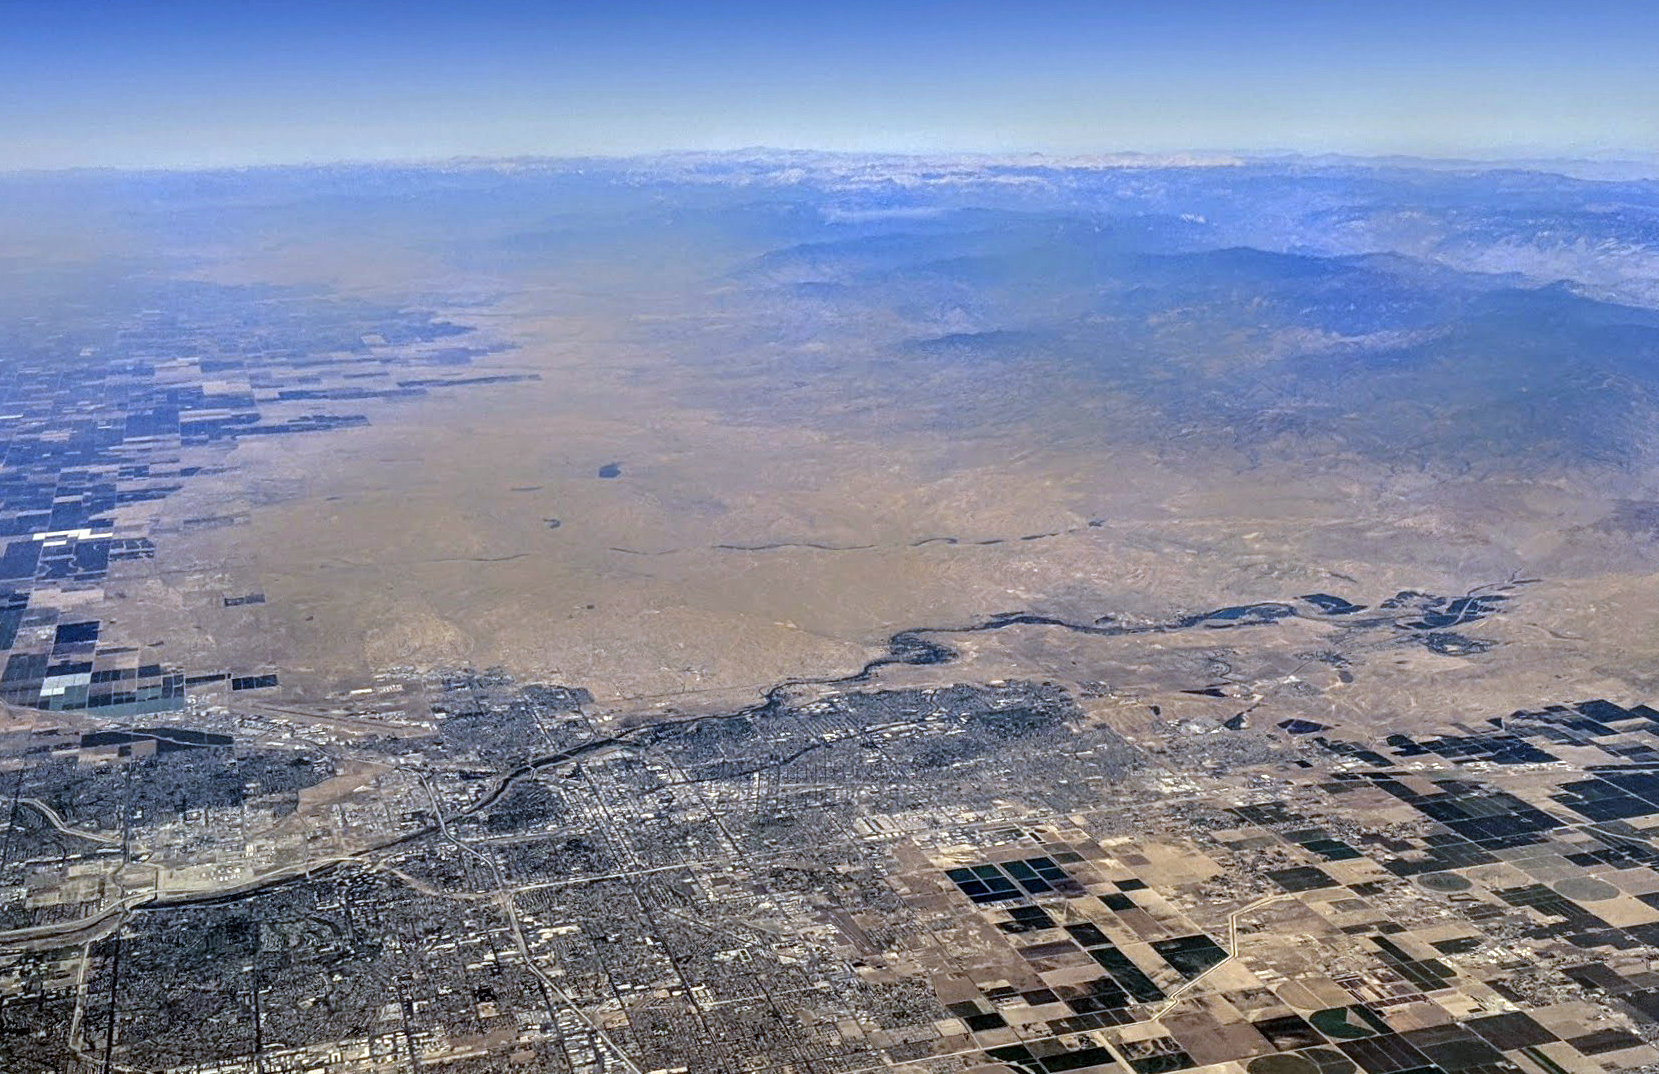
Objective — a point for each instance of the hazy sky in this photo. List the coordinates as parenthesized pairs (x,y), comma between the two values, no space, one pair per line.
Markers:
(227,82)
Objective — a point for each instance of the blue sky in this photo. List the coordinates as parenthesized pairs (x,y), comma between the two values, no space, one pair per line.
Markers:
(191,83)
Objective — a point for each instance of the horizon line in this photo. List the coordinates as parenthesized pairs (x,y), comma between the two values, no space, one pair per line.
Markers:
(1520,159)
